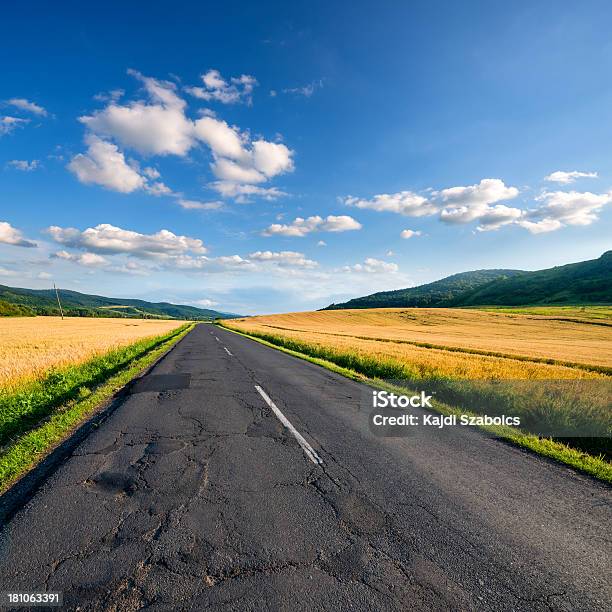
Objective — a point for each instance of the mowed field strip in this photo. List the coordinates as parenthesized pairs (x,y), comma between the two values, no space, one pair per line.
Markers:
(30,346)
(457,339)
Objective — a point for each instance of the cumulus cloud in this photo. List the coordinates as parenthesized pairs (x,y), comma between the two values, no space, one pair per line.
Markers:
(243,193)
(228,170)
(565,178)
(466,204)
(496,216)
(157,128)
(216,88)
(272,158)
(557,209)
(104,164)
(301,227)
(8,124)
(408,233)
(405,203)
(283,258)
(12,236)
(83,259)
(197,205)
(106,238)
(27,106)
(24,165)
(160,126)
(202,263)
(223,140)
(372,266)
(158,188)
(541,227)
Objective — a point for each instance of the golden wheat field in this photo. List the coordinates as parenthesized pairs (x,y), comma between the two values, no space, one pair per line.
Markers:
(29,346)
(399,334)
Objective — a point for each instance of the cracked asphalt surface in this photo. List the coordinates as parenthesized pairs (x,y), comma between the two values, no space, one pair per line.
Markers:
(192,495)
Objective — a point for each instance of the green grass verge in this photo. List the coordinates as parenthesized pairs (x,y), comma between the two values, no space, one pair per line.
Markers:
(593,465)
(38,416)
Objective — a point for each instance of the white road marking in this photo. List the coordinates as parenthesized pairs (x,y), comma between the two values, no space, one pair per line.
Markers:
(310,452)
(227,351)
(217,339)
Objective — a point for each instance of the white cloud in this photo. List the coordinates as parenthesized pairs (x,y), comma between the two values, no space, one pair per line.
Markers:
(242,193)
(272,158)
(496,216)
(26,105)
(151,173)
(202,263)
(8,124)
(466,204)
(7,272)
(106,238)
(321,243)
(224,141)
(83,259)
(300,227)
(541,227)
(12,236)
(228,170)
(160,128)
(305,90)
(216,88)
(560,208)
(284,258)
(105,165)
(24,165)
(405,203)
(565,178)
(158,189)
(372,266)
(196,205)
(206,303)
(111,96)
(408,233)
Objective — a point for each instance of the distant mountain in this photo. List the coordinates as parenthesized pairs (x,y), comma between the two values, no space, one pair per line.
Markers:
(429,295)
(586,282)
(19,302)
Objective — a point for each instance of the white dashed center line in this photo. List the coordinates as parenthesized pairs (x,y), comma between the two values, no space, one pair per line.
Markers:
(310,452)
(227,351)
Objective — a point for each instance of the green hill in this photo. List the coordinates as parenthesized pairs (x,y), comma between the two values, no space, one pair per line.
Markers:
(43,302)
(586,282)
(429,295)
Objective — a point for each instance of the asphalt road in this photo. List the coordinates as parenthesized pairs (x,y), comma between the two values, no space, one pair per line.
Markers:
(194,494)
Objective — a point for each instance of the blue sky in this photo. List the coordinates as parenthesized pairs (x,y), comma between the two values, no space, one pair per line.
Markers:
(267,157)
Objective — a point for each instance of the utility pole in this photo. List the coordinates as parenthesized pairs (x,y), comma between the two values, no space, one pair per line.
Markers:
(58,301)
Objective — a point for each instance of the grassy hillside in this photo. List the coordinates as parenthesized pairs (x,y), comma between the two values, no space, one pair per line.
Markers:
(586,282)
(43,302)
(430,295)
